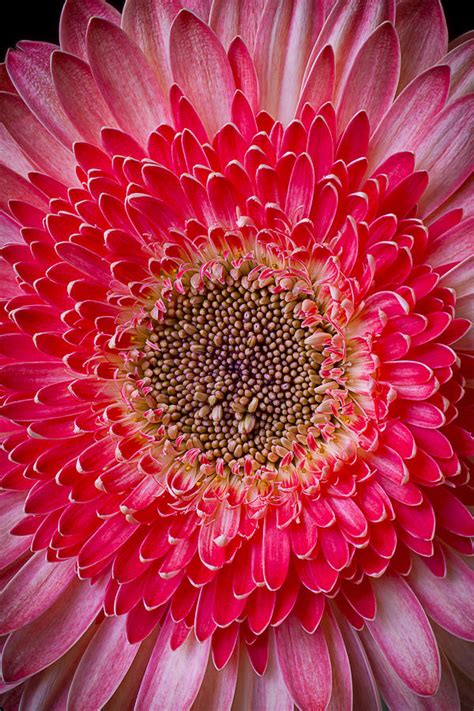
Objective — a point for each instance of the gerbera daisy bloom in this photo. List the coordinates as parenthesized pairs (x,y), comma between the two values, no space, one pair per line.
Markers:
(235,358)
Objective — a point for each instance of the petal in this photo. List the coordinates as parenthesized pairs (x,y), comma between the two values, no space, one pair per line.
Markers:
(305,664)
(423,34)
(148,24)
(406,121)
(173,678)
(80,96)
(29,69)
(125,79)
(48,637)
(447,600)
(103,665)
(201,69)
(368,89)
(218,687)
(75,17)
(32,591)
(447,152)
(403,633)
(283,43)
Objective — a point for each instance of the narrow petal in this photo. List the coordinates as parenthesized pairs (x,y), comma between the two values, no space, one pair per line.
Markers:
(104,664)
(75,17)
(368,89)
(201,69)
(402,631)
(447,152)
(173,678)
(421,27)
(405,123)
(447,600)
(80,96)
(305,664)
(29,69)
(125,79)
(42,641)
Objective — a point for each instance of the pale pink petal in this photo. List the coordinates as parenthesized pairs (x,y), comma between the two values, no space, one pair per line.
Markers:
(455,245)
(29,69)
(305,664)
(32,591)
(173,678)
(364,687)
(12,155)
(342,685)
(75,17)
(49,689)
(403,633)
(269,691)
(294,27)
(80,96)
(48,637)
(346,29)
(447,600)
(148,23)
(398,696)
(461,60)
(37,143)
(423,34)
(447,152)
(125,79)
(104,664)
(218,687)
(232,19)
(373,79)
(201,68)
(318,87)
(406,121)
(15,187)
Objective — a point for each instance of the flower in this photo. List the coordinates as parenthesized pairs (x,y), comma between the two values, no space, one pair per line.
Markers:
(235,358)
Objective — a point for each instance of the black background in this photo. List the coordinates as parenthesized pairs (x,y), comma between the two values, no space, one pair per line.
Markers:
(39,20)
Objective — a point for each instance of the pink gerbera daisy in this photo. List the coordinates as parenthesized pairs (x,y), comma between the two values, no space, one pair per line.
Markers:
(235,359)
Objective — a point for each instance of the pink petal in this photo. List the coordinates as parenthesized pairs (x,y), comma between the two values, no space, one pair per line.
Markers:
(218,687)
(103,665)
(14,187)
(45,639)
(284,40)
(342,694)
(36,586)
(460,60)
(305,664)
(406,121)
(125,79)
(368,87)
(398,696)
(77,89)
(173,678)
(29,69)
(402,631)
(229,20)
(364,688)
(148,23)
(318,87)
(276,552)
(201,69)
(255,693)
(447,600)
(75,17)
(447,152)
(421,27)
(452,246)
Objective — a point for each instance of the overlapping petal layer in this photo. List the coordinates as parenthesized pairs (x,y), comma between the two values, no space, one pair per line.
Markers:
(314,156)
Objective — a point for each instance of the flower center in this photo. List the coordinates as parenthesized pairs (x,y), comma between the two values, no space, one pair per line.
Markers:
(231,363)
